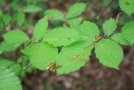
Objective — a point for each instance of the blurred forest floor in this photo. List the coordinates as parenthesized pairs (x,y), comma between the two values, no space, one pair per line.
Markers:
(93,76)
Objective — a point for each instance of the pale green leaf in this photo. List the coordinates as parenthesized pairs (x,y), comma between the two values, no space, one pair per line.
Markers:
(40,29)
(7,47)
(89,31)
(109,26)
(42,54)
(19,17)
(8,80)
(73,57)
(6,19)
(127,6)
(109,53)
(61,36)
(75,10)
(74,22)
(32,9)
(15,37)
(54,14)
(128,32)
(5,63)
(118,37)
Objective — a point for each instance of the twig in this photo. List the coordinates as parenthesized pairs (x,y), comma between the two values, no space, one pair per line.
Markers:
(27,66)
(118,16)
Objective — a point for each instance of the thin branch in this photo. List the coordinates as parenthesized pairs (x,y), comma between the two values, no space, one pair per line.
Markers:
(27,66)
(118,16)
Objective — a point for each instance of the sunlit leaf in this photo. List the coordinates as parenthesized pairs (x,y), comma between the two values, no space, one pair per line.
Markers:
(8,80)
(109,53)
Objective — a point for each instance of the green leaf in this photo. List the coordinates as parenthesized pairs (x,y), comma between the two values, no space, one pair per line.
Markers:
(105,3)
(54,14)
(24,61)
(7,47)
(23,74)
(2,2)
(1,26)
(8,80)
(6,19)
(5,63)
(73,57)
(10,64)
(14,5)
(15,37)
(74,22)
(12,40)
(40,29)
(109,53)
(61,36)
(89,31)
(32,9)
(75,10)
(19,17)
(26,50)
(124,19)
(127,6)
(128,32)
(118,37)
(1,14)
(42,54)
(16,68)
(109,26)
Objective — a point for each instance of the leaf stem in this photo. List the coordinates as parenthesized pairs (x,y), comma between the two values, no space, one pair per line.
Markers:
(27,66)
(118,16)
